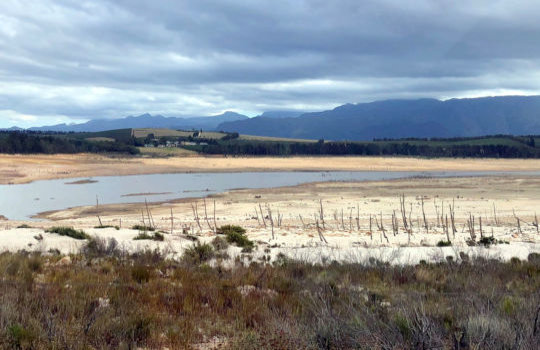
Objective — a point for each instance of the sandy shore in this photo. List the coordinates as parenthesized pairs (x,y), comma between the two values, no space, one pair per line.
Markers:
(26,168)
(352,214)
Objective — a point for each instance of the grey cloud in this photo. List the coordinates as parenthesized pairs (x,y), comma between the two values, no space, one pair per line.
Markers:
(110,58)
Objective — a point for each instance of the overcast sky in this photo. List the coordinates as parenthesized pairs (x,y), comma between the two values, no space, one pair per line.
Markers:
(74,60)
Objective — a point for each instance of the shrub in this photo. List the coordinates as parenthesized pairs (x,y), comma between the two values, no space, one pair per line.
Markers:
(69,232)
(198,253)
(24,226)
(240,240)
(142,228)
(444,244)
(35,264)
(101,247)
(219,243)
(107,226)
(487,241)
(228,229)
(156,236)
(140,273)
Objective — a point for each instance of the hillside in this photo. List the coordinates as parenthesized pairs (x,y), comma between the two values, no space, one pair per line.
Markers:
(516,115)
(146,121)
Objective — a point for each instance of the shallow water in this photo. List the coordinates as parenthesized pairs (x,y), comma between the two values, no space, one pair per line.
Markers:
(21,202)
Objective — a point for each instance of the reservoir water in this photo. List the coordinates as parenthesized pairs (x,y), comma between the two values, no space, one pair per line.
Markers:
(21,202)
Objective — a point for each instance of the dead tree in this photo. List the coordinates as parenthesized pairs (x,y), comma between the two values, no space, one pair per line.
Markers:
(302,220)
(271,219)
(446,230)
(196,215)
(321,215)
(206,216)
(262,215)
(97,211)
(535,222)
(424,215)
(342,221)
(470,224)
(150,218)
(495,215)
(172,222)
(257,216)
(403,212)
(350,220)
(358,217)
(436,212)
(215,222)
(382,229)
(321,236)
(518,222)
(452,218)
(395,223)
(370,229)
(480,223)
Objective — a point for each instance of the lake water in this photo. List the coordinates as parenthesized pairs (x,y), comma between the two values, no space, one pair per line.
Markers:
(20,202)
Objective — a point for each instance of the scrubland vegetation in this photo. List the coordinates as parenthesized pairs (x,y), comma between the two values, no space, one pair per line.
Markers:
(105,298)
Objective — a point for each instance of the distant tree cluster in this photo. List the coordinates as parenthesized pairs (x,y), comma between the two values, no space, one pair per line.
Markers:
(23,142)
(404,148)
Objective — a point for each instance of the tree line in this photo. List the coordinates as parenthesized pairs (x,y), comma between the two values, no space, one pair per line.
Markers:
(22,142)
(272,148)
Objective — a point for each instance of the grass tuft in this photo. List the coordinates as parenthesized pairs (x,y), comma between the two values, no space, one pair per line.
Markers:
(69,232)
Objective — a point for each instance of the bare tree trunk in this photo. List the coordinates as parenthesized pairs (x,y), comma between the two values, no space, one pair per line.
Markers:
(322,215)
(262,215)
(424,214)
(172,222)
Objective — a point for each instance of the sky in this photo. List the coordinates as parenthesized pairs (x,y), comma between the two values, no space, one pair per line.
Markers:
(75,60)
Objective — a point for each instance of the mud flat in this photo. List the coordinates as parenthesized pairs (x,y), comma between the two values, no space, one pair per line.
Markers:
(357,220)
(27,168)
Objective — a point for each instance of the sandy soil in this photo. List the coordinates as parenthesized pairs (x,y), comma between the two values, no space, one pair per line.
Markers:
(27,168)
(348,209)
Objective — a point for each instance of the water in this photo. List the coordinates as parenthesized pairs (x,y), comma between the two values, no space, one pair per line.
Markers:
(21,202)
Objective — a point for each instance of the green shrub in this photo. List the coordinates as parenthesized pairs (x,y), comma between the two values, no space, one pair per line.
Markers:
(107,226)
(142,228)
(240,240)
(219,243)
(444,244)
(198,253)
(24,226)
(156,236)
(228,229)
(69,232)
(19,337)
(487,241)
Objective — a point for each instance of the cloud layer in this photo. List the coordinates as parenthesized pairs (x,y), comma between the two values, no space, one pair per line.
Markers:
(69,60)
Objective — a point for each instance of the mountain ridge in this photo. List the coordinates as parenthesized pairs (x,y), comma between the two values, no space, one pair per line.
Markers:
(516,115)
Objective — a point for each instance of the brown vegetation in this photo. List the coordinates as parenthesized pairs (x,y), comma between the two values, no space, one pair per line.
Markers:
(105,298)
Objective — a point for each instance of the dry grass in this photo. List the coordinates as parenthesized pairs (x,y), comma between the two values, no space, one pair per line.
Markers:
(108,300)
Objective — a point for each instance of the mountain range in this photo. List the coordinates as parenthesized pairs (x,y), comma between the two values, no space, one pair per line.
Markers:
(146,121)
(516,115)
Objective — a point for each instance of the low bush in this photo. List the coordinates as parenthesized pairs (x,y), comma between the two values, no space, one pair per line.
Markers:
(444,244)
(219,243)
(198,253)
(69,232)
(143,228)
(155,236)
(487,241)
(236,235)
(107,226)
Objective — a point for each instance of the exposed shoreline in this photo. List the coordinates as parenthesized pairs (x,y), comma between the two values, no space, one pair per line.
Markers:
(17,169)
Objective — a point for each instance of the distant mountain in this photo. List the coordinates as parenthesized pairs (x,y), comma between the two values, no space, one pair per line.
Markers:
(517,115)
(281,114)
(147,121)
